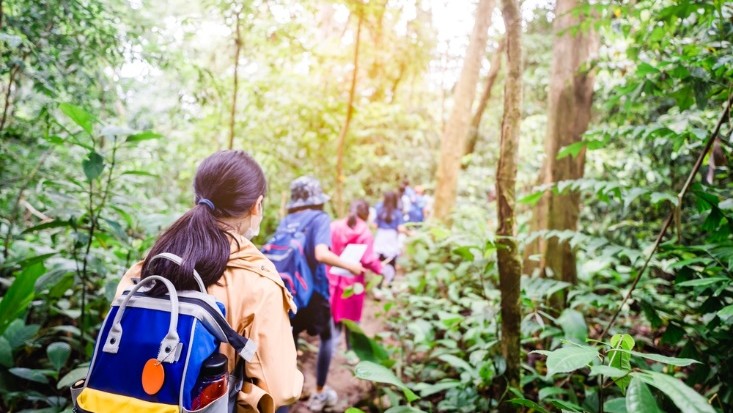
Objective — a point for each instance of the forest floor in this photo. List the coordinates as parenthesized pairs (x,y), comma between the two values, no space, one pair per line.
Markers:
(341,375)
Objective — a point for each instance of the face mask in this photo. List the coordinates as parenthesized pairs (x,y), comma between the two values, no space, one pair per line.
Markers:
(254,225)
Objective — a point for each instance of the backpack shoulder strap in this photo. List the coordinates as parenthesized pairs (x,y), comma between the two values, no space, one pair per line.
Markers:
(310,220)
(244,347)
(303,225)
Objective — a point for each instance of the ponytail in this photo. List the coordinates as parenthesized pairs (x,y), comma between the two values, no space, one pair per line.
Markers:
(359,210)
(197,238)
(389,206)
(351,221)
(227,184)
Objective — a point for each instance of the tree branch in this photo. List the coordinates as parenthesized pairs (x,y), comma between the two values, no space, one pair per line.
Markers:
(238,47)
(670,217)
(347,121)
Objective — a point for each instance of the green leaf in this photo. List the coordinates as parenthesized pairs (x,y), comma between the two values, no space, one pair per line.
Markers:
(366,348)
(403,409)
(426,389)
(373,282)
(93,165)
(528,403)
(366,370)
(354,410)
(658,197)
(621,359)
(78,116)
(17,333)
(569,359)
(140,173)
(72,377)
(632,195)
(684,397)
(726,312)
(571,150)
(546,392)
(639,399)
(702,282)
(573,325)
(459,364)
(645,69)
(617,405)
(607,371)
(623,341)
(348,292)
(20,294)
(674,361)
(56,223)
(29,374)
(532,199)
(143,136)
(6,353)
(58,353)
(566,406)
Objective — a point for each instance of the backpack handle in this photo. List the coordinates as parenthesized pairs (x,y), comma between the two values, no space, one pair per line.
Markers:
(170,348)
(178,260)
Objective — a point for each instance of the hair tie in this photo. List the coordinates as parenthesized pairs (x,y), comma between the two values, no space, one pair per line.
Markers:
(207,202)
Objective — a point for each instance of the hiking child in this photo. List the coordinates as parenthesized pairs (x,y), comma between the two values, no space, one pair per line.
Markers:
(389,227)
(418,209)
(351,230)
(305,210)
(214,238)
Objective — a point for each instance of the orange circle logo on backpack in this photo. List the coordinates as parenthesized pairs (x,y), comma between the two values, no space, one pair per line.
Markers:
(153,376)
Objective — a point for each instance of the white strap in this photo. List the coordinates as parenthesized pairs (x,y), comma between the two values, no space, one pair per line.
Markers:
(178,260)
(170,348)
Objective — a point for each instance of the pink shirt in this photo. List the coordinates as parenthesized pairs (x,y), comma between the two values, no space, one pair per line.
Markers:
(341,235)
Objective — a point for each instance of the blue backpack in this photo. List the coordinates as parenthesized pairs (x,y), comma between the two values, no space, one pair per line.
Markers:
(286,250)
(177,331)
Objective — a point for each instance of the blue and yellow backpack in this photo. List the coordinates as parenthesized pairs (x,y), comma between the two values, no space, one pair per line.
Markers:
(177,331)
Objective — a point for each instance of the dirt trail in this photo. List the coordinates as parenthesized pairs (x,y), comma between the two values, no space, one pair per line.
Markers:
(340,376)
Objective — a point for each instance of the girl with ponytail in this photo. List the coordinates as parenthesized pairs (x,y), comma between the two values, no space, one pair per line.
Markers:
(351,230)
(214,238)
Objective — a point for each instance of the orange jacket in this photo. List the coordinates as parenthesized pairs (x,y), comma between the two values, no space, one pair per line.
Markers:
(257,305)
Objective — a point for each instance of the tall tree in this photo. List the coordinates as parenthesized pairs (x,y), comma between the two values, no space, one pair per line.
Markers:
(508,260)
(454,134)
(569,109)
(347,121)
(235,85)
(484,99)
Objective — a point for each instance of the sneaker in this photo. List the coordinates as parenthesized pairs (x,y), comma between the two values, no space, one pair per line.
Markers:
(323,401)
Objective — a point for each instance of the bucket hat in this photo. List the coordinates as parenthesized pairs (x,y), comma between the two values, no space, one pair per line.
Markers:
(306,191)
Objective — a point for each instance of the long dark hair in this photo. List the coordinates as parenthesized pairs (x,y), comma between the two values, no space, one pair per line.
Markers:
(232,181)
(389,205)
(359,209)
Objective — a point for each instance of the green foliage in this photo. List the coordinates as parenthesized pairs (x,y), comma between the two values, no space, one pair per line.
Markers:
(87,184)
(19,295)
(368,370)
(620,357)
(640,399)
(569,358)
(618,354)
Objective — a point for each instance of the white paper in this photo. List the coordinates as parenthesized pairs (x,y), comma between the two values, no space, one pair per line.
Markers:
(351,254)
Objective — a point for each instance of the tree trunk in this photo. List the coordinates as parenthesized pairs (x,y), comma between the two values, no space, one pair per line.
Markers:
(569,110)
(509,263)
(454,134)
(534,258)
(238,47)
(8,94)
(484,99)
(345,128)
